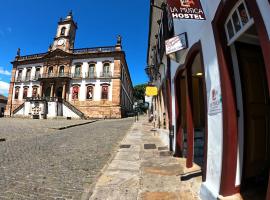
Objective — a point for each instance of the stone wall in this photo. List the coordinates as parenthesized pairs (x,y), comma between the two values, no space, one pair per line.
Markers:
(98,109)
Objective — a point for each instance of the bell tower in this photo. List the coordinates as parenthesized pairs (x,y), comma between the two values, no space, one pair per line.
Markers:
(65,35)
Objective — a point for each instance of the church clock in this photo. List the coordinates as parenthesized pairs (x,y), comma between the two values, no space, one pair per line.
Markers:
(60,42)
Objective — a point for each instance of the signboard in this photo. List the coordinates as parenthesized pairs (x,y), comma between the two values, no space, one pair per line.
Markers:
(186,9)
(151,91)
(215,102)
(176,43)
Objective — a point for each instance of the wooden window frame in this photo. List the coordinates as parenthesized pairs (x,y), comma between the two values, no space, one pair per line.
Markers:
(102,92)
(78,92)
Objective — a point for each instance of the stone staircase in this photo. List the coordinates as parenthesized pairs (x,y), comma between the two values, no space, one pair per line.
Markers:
(18,109)
(74,109)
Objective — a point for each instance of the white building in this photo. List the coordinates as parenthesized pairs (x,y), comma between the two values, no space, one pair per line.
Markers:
(219,89)
(68,82)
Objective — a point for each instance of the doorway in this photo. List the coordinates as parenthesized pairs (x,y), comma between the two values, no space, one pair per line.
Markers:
(59,92)
(255,116)
(48,92)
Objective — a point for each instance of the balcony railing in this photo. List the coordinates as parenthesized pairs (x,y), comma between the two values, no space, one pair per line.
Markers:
(33,56)
(91,75)
(54,75)
(76,75)
(105,74)
(94,50)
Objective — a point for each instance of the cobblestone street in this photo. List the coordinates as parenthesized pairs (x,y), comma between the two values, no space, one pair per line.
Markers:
(37,162)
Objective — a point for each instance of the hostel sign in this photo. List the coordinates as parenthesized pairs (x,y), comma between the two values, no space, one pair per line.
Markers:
(176,43)
(186,9)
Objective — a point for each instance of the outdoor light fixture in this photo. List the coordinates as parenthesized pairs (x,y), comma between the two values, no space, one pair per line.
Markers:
(199,74)
(162,7)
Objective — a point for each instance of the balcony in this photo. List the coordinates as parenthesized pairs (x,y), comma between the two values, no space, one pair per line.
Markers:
(94,50)
(76,75)
(91,75)
(105,75)
(54,75)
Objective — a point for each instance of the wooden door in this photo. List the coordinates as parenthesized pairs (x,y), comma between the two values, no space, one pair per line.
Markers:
(256,110)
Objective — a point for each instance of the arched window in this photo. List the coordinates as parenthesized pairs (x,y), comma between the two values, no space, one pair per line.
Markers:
(25,92)
(104,92)
(17,90)
(63,31)
(90,92)
(75,92)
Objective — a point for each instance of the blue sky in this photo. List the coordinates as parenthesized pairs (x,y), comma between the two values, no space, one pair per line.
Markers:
(31,25)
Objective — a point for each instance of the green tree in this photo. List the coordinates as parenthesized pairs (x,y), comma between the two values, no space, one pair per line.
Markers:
(139,92)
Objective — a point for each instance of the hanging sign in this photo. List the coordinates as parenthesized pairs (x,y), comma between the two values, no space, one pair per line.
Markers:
(186,9)
(176,43)
(151,91)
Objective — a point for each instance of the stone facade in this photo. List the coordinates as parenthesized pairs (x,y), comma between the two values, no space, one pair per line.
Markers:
(90,80)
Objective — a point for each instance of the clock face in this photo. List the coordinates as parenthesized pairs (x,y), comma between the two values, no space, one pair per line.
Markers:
(60,42)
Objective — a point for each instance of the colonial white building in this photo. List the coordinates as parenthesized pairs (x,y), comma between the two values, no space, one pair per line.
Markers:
(68,82)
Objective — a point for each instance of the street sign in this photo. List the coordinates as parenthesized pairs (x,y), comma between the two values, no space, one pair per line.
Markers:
(176,43)
(151,91)
(186,9)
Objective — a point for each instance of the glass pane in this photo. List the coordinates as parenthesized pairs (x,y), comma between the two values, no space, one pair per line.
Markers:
(91,69)
(230,29)
(243,14)
(236,22)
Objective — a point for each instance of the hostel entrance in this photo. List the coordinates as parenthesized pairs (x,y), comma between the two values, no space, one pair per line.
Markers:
(191,110)
(254,114)
(244,71)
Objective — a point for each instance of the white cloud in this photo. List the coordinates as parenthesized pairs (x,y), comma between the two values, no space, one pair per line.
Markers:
(4,72)
(4,87)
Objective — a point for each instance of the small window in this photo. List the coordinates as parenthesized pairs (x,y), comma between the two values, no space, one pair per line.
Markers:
(25,92)
(17,90)
(104,93)
(34,92)
(75,92)
(63,31)
(237,22)
(90,92)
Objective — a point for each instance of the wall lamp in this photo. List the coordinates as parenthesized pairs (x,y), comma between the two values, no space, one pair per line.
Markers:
(162,7)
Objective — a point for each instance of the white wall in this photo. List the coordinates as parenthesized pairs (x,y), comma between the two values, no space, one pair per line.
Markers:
(68,113)
(202,31)
(96,82)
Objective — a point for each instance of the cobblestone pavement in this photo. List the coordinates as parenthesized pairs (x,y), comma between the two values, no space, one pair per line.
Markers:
(16,128)
(40,163)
